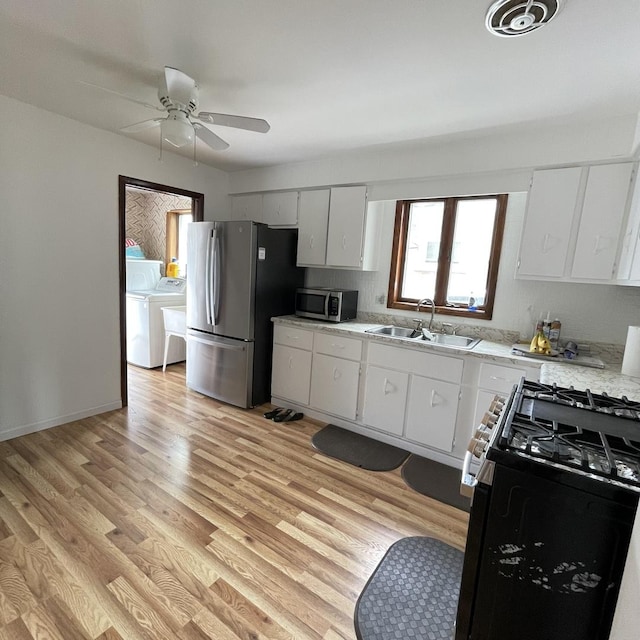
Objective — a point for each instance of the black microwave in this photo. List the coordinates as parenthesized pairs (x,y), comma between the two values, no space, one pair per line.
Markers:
(332,305)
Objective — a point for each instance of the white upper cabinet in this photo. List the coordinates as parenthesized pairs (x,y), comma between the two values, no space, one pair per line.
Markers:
(247,207)
(629,260)
(547,226)
(337,229)
(313,219)
(600,226)
(345,236)
(573,224)
(280,209)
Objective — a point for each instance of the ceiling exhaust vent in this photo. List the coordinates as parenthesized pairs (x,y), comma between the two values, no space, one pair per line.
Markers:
(508,18)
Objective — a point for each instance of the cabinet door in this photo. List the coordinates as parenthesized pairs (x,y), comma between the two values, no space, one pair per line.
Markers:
(334,385)
(548,221)
(600,228)
(385,398)
(431,412)
(291,374)
(629,262)
(347,208)
(280,209)
(247,207)
(313,219)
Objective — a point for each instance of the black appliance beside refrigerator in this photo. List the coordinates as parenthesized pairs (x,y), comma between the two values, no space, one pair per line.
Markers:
(240,275)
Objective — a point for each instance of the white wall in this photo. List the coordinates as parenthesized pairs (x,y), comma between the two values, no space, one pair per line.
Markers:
(59,305)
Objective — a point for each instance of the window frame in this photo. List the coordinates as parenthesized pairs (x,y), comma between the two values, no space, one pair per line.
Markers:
(173,223)
(401,228)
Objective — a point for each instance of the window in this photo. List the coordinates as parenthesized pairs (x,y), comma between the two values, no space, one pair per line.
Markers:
(177,221)
(447,249)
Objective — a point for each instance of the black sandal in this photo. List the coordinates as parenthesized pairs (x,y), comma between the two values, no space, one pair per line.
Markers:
(273,413)
(281,417)
(295,416)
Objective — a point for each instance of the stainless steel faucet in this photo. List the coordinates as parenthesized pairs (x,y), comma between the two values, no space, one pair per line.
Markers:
(425,301)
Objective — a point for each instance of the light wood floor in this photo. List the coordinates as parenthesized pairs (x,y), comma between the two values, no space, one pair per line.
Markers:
(183,518)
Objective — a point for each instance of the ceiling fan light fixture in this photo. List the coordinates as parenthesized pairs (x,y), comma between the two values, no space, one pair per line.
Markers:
(177,130)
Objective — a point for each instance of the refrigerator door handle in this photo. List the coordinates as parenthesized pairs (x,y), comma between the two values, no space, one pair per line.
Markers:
(207,282)
(217,265)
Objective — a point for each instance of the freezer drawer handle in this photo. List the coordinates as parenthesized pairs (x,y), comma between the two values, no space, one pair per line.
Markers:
(219,345)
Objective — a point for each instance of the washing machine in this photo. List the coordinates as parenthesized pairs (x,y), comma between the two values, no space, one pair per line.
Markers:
(145,324)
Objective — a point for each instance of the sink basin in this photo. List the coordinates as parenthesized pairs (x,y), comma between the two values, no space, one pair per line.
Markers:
(459,342)
(393,332)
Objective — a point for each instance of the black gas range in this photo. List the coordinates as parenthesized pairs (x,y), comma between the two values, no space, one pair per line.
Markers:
(554,501)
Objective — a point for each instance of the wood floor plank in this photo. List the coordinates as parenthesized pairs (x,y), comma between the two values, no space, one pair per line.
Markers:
(181,517)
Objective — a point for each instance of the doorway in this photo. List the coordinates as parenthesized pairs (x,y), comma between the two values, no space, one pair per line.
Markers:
(173,225)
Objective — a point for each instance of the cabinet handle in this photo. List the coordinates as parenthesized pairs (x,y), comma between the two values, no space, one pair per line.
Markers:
(385,387)
(336,373)
(292,337)
(290,362)
(498,378)
(545,242)
(337,346)
(311,242)
(597,248)
(434,395)
(344,242)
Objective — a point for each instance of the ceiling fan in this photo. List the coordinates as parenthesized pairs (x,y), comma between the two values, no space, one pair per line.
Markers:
(178,95)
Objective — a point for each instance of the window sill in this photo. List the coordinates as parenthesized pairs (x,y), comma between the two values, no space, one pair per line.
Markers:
(461,312)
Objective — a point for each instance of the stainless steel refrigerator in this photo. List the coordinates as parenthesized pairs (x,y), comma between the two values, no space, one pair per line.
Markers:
(239,275)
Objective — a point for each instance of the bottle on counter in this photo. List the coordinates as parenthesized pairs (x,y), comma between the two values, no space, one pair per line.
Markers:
(173,268)
(554,333)
(546,325)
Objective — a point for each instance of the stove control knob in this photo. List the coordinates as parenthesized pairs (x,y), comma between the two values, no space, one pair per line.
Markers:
(483,432)
(489,419)
(496,405)
(477,447)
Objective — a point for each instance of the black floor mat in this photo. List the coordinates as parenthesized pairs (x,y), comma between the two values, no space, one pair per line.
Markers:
(358,450)
(413,593)
(435,480)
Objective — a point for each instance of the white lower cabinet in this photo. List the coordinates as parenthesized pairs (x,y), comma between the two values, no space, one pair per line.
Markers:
(334,385)
(291,373)
(432,410)
(385,398)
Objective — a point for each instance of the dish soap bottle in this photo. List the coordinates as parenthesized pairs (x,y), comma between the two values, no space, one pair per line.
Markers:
(173,268)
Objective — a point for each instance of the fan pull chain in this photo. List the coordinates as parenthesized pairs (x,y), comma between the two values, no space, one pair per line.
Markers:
(195,160)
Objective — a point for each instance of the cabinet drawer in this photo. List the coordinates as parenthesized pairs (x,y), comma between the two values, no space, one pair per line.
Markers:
(499,378)
(293,337)
(433,365)
(334,345)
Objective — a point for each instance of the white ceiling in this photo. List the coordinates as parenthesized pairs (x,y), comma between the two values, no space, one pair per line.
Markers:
(329,75)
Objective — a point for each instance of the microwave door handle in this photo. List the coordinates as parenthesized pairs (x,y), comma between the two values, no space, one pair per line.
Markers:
(326,305)
(216,277)
(207,278)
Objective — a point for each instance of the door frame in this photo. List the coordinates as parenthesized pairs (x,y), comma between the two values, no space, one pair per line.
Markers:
(198,216)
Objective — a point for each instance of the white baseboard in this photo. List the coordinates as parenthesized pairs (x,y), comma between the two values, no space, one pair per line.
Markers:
(25,429)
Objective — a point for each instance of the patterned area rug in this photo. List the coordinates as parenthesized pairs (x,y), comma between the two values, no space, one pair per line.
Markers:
(412,594)
(358,450)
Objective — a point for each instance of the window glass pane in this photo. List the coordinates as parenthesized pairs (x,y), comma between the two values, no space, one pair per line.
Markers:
(471,250)
(183,220)
(423,247)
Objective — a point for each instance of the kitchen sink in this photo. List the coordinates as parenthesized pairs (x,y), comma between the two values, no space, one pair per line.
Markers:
(446,340)
(393,332)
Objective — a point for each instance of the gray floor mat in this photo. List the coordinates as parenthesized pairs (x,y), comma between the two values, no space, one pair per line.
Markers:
(358,450)
(435,480)
(412,594)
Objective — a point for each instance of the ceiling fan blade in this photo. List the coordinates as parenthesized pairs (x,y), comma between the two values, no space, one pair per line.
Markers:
(141,126)
(179,85)
(238,122)
(122,95)
(210,138)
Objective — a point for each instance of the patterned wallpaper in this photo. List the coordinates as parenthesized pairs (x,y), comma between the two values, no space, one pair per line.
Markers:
(145,218)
